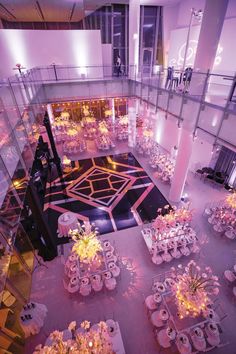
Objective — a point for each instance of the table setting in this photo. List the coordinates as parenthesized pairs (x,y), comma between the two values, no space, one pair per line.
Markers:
(104,142)
(186,317)
(88,267)
(66,222)
(75,146)
(171,236)
(32,318)
(164,163)
(222,217)
(101,338)
(121,128)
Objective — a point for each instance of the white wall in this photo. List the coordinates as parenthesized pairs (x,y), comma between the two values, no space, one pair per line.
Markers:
(107,59)
(176,21)
(38,48)
(169,24)
(167,135)
(225,58)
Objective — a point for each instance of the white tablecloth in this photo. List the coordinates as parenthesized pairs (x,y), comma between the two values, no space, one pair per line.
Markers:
(32,326)
(117,342)
(66,222)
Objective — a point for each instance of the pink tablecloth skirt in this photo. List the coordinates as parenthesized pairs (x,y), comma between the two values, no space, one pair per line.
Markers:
(66,222)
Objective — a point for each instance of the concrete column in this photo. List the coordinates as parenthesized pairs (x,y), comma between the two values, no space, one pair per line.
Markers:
(182,163)
(132,114)
(184,152)
(134,21)
(50,112)
(212,24)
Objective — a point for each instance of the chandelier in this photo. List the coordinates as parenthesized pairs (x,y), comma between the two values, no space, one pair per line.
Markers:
(86,244)
(193,289)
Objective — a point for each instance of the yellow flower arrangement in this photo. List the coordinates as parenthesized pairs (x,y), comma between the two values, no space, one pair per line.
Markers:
(193,289)
(88,342)
(86,244)
(231,200)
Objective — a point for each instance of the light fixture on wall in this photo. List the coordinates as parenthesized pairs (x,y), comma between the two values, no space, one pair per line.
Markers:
(19,67)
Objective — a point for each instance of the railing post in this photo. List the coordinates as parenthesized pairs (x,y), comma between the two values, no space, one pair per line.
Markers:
(55,71)
(205,86)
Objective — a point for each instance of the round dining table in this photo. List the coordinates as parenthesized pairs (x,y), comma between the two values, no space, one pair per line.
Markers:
(66,222)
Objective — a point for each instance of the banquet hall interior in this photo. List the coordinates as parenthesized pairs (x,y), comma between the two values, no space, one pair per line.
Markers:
(118,176)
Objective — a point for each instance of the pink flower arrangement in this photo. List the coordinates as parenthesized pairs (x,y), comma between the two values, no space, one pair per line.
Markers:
(170,219)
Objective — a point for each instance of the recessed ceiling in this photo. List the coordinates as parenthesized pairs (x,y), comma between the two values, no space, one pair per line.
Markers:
(59,10)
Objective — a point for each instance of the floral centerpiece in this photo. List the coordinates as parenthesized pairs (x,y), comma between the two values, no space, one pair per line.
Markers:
(164,222)
(193,289)
(85,341)
(231,200)
(123,120)
(103,129)
(86,244)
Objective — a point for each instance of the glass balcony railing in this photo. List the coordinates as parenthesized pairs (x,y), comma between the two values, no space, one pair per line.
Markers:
(215,89)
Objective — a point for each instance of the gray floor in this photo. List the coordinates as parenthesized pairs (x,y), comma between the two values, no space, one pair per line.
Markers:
(126,304)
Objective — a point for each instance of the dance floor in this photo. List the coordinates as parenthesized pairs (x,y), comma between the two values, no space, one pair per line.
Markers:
(112,191)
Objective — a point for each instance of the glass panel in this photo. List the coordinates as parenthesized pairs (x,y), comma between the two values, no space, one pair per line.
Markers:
(24,248)
(149,30)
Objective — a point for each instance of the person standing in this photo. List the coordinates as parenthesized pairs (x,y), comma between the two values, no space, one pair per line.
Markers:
(169,77)
(118,65)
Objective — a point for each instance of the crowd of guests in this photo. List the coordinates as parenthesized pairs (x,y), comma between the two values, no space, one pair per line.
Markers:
(177,79)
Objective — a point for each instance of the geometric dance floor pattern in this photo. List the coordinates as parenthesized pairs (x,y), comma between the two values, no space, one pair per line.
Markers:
(112,191)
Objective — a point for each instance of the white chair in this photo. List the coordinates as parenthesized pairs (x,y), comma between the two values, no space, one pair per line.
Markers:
(85,290)
(65,285)
(73,285)
(230,234)
(176,253)
(229,275)
(218,228)
(166,257)
(183,344)
(97,283)
(185,251)
(110,284)
(165,336)
(234,291)
(211,220)
(159,318)
(213,337)
(198,339)
(208,211)
(115,271)
(150,303)
(157,259)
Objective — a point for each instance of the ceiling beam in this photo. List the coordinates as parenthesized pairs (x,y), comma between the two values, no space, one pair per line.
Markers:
(72,11)
(40,10)
(7,11)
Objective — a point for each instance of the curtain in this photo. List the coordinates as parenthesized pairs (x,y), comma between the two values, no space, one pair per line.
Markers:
(226,162)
